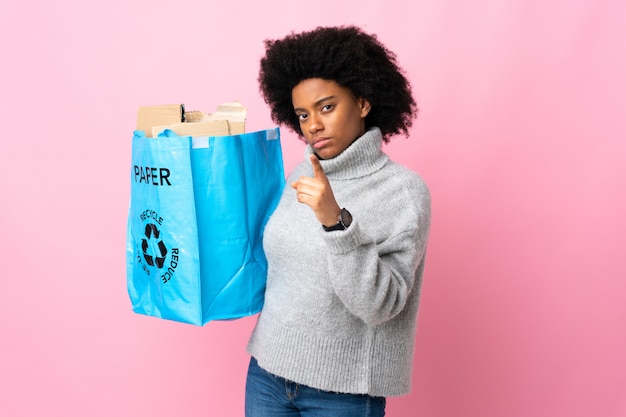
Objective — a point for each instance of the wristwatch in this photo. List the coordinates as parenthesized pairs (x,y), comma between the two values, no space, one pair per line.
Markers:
(345,220)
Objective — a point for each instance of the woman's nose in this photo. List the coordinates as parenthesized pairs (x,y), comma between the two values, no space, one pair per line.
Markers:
(315,124)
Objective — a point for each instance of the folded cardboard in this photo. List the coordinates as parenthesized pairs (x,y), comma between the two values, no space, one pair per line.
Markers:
(148,116)
(234,112)
(207,128)
(228,119)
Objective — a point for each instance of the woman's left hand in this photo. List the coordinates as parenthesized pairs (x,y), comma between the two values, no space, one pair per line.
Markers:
(317,193)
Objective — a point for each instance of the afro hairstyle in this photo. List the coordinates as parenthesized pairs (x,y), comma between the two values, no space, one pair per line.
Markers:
(347,56)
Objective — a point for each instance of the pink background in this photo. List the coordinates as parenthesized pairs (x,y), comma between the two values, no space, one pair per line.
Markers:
(521,137)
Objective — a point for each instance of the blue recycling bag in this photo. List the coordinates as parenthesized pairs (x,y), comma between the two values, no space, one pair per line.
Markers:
(197,211)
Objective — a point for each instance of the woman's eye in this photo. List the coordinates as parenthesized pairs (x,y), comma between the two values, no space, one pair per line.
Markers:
(301,117)
(327,107)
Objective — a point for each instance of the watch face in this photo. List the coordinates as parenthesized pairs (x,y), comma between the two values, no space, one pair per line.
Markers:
(346,217)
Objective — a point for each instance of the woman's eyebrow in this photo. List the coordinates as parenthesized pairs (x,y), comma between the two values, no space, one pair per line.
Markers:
(317,103)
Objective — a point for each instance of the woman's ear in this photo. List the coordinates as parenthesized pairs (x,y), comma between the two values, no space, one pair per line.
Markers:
(365,107)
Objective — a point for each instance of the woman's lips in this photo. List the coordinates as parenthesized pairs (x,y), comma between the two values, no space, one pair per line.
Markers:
(320,143)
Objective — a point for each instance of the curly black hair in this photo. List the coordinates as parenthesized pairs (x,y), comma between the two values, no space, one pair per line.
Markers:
(347,56)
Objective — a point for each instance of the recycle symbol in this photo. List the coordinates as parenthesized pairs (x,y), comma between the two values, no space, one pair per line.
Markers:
(151,243)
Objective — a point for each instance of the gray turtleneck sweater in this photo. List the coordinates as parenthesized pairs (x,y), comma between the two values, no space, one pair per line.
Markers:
(341,307)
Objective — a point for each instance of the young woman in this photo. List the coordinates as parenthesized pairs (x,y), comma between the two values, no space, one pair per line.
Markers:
(346,244)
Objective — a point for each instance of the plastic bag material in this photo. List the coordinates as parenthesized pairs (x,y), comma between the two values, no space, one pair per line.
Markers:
(197,212)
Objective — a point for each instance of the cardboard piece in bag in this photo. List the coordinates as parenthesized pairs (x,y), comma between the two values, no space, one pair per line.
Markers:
(234,112)
(149,116)
(228,119)
(205,128)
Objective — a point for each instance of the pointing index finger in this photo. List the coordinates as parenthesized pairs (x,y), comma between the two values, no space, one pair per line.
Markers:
(318,171)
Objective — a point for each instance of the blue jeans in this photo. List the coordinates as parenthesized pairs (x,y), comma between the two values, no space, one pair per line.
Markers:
(268,395)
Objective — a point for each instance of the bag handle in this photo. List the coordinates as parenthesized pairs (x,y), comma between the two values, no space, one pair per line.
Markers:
(167,133)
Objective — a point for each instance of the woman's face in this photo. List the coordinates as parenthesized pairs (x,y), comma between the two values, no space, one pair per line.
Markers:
(330,116)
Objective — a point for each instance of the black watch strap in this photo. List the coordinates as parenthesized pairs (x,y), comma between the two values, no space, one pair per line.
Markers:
(344,221)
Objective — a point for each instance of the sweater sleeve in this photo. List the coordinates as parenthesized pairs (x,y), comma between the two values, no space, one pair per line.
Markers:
(374,279)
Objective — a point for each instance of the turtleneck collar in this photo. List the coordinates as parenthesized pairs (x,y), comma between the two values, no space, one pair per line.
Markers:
(361,158)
